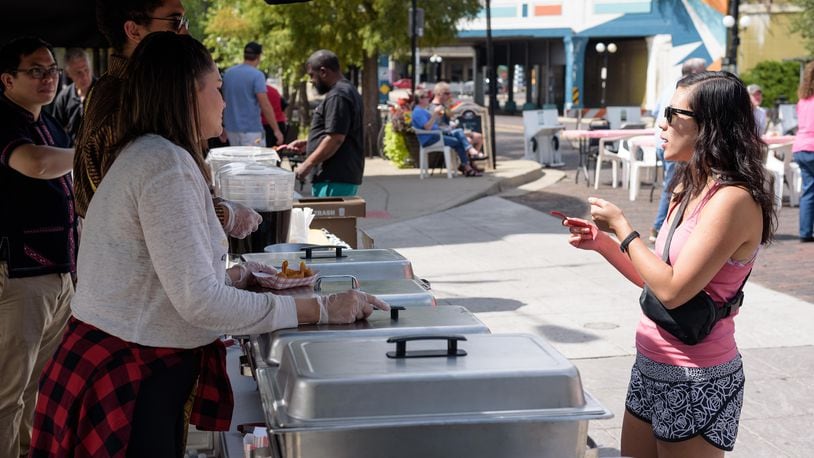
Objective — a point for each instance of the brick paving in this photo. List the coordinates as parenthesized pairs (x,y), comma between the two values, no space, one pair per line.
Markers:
(785,266)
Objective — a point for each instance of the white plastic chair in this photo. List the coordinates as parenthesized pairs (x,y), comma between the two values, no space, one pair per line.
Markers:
(541,126)
(620,157)
(637,167)
(787,113)
(619,116)
(438,145)
(776,169)
(792,181)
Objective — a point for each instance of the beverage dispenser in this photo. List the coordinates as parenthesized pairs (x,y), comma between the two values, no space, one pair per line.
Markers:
(269,191)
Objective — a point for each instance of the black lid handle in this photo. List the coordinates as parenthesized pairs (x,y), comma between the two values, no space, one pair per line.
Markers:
(309,250)
(394,311)
(401,347)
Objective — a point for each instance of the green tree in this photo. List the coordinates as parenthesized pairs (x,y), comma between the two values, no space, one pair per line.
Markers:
(358,31)
(803,23)
(776,79)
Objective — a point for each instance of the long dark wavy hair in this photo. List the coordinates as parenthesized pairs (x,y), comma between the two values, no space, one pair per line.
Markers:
(728,147)
(159,95)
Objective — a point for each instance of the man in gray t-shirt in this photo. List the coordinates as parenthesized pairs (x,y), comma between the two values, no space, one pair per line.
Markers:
(244,88)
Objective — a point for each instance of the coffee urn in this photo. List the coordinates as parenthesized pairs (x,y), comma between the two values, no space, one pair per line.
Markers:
(269,191)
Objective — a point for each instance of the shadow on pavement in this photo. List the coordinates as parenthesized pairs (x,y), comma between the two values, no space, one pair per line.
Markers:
(484,304)
(565,335)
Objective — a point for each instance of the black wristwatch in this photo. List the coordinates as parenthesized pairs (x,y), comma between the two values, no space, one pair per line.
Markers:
(627,240)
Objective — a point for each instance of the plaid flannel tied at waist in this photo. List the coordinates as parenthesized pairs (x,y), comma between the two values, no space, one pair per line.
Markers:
(89,389)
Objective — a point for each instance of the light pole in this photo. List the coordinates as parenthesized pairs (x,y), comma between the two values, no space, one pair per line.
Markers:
(436,59)
(733,24)
(603,74)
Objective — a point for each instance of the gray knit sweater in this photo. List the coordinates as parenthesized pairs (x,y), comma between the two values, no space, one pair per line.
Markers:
(151,263)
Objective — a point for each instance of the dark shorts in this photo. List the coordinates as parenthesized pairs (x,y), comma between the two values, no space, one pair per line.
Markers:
(683,402)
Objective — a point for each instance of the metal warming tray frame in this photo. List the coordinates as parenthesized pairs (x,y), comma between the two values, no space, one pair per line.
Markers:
(267,348)
(364,264)
(401,291)
(510,395)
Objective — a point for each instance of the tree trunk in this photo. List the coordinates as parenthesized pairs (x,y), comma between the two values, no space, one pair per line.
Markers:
(370,100)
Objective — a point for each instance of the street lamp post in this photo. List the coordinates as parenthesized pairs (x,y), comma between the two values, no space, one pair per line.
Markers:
(733,23)
(603,74)
(436,59)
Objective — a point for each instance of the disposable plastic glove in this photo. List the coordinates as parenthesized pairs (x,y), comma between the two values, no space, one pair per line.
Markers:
(347,307)
(240,219)
(246,269)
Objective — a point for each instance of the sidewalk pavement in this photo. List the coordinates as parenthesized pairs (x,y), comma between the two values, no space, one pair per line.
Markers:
(512,266)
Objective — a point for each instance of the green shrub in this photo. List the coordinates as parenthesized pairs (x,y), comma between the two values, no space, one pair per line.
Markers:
(395,148)
(776,79)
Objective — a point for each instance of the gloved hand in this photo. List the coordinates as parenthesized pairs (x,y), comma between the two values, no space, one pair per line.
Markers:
(347,307)
(240,219)
(245,270)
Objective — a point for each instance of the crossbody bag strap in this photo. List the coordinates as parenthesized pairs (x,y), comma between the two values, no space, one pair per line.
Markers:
(665,256)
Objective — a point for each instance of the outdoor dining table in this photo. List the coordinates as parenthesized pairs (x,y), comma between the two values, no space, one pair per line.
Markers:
(585,136)
(777,139)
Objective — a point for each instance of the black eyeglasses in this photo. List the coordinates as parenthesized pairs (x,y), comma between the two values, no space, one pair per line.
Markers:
(39,73)
(670,111)
(181,22)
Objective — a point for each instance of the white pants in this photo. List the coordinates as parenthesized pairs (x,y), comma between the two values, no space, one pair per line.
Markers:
(33,314)
(246,138)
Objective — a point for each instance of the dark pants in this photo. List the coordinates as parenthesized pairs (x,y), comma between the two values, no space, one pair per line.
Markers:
(158,419)
(270,140)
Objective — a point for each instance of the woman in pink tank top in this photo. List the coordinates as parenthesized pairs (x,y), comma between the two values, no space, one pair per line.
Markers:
(684,399)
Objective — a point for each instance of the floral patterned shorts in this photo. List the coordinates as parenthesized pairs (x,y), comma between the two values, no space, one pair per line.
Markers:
(683,402)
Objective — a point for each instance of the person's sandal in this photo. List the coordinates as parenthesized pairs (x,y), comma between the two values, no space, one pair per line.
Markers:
(478,157)
(469,171)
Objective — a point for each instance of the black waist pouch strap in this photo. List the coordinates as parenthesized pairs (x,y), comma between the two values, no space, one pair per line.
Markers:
(692,321)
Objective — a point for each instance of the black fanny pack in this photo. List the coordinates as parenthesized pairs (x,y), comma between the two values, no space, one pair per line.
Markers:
(692,321)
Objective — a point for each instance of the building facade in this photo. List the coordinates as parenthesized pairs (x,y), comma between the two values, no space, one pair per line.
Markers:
(556,44)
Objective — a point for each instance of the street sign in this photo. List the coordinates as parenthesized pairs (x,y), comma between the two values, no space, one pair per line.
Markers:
(419,22)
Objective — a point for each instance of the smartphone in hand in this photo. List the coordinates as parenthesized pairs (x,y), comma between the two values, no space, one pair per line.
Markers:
(572,222)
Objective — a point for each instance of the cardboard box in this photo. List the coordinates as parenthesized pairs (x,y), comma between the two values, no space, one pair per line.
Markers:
(337,215)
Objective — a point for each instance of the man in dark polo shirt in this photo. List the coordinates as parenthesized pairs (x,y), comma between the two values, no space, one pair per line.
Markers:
(38,233)
(334,145)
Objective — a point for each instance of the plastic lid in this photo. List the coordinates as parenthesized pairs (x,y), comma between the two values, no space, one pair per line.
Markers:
(251,168)
(243,153)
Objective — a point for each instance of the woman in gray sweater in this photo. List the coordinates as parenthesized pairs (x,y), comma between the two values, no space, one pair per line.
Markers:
(153,294)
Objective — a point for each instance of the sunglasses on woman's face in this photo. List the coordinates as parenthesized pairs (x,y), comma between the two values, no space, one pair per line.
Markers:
(670,111)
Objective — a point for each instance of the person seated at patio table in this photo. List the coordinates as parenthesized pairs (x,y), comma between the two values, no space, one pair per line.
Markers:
(441,97)
(425,119)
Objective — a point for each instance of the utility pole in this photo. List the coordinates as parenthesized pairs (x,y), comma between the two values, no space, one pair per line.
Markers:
(413,34)
(733,38)
(490,70)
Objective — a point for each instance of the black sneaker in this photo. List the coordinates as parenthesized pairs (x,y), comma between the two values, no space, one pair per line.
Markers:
(806,239)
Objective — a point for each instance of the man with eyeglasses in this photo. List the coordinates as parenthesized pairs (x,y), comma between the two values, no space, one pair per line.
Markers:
(690,66)
(125,23)
(38,233)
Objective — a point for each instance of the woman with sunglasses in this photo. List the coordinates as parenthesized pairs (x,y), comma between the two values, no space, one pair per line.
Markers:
(685,397)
